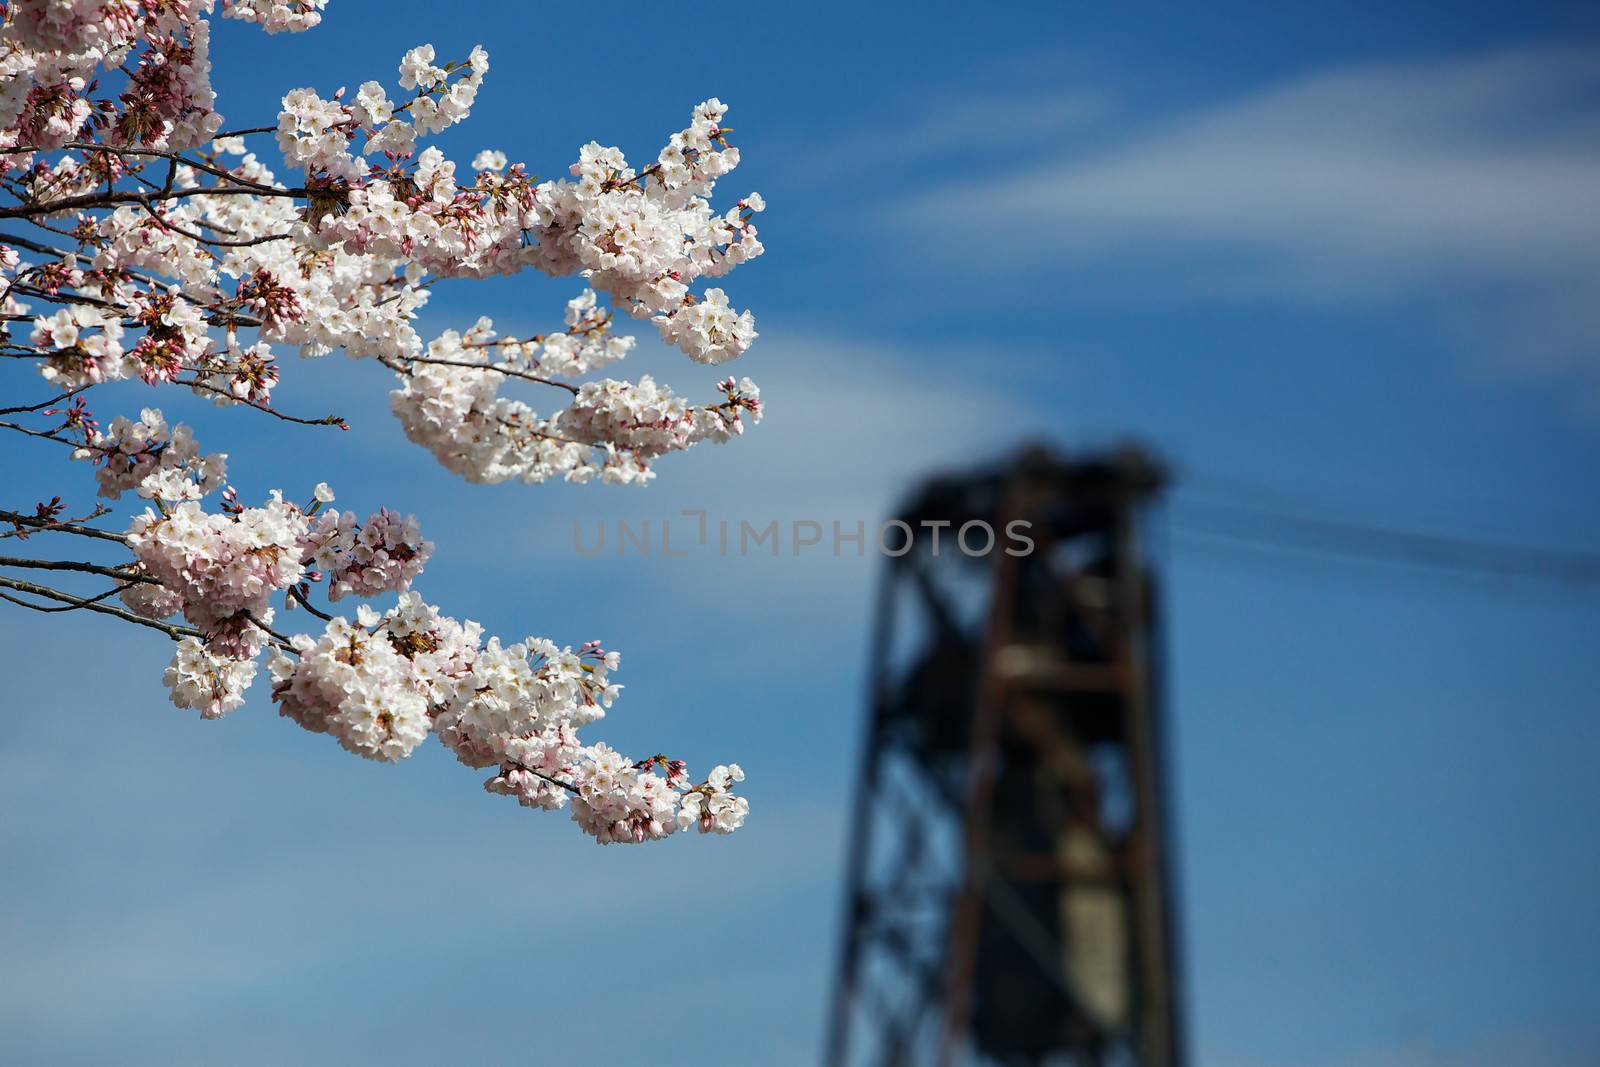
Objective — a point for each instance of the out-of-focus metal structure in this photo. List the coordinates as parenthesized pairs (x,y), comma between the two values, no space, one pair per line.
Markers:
(1010,893)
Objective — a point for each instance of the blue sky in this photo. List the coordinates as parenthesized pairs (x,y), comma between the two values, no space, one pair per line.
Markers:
(1345,254)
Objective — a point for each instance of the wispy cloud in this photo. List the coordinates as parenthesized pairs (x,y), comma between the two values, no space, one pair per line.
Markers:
(1472,185)
(896,138)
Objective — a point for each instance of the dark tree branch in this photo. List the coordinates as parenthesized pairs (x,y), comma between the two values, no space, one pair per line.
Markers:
(109,593)
(469,365)
(220,242)
(172,630)
(38,433)
(113,199)
(329,420)
(300,598)
(45,403)
(118,573)
(16,518)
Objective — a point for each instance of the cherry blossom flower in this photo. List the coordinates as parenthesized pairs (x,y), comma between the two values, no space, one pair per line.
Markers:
(173,254)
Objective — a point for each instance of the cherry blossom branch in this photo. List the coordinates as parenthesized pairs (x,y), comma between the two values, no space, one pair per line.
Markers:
(552,779)
(300,598)
(60,253)
(281,640)
(25,523)
(21,409)
(34,522)
(512,372)
(64,296)
(35,246)
(113,199)
(220,242)
(207,387)
(119,573)
(107,595)
(172,630)
(141,289)
(175,158)
(42,434)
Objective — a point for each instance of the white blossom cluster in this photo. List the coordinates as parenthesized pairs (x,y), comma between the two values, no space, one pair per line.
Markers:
(222,568)
(458,414)
(346,264)
(315,134)
(381,555)
(381,684)
(82,345)
(311,134)
(53,49)
(649,420)
(160,463)
(171,254)
(353,684)
(619,802)
(586,345)
(209,683)
(276,16)
(642,237)
(523,689)
(611,430)
(645,237)
(713,809)
(710,329)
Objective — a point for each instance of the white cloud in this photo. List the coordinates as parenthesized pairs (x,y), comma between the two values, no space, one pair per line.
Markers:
(1471,184)
(912,134)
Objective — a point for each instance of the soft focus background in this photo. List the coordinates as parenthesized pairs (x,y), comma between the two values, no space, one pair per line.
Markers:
(1340,258)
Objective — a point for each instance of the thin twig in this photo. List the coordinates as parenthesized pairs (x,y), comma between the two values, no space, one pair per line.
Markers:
(74,565)
(269,631)
(526,376)
(64,296)
(330,420)
(37,433)
(102,200)
(16,518)
(48,250)
(109,593)
(241,133)
(220,242)
(172,630)
(33,246)
(173,159)
(46,403)
(300,598)
(568,786)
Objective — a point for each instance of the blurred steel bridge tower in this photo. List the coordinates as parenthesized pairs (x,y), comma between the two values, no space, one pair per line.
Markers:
(1010,898)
